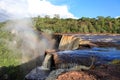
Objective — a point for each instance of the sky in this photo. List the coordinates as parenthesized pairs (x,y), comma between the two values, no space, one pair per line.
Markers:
(12,9)
(91,8)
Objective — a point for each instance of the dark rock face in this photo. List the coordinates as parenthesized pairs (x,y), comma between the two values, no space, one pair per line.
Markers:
(57,37)
(107,44)
(37,74)
(106,72)
(55,73)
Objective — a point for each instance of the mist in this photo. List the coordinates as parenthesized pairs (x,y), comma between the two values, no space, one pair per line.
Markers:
(26,40)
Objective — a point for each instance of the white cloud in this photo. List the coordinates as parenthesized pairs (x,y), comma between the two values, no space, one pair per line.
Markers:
(14,8)
(117,17)
(26,8)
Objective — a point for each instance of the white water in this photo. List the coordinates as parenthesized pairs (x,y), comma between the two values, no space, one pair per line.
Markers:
(104,53)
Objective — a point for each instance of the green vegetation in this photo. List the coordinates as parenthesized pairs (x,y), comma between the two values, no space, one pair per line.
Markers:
(82,25)
(7,56)
(10,60)
(99,24)
(116,61)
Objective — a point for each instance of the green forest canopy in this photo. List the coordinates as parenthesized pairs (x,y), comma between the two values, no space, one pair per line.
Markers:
(82,25)
(99,24)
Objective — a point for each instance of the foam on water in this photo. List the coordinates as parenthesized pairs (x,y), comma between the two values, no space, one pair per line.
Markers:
(104,53)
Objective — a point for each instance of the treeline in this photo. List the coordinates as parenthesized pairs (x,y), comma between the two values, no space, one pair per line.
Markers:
(99,24)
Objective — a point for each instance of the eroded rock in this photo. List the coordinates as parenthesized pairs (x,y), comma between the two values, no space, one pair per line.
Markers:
(76,75)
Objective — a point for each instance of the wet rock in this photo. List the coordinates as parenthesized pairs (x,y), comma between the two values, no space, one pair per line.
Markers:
(107,44)
(55,73)
(108,72)
(66,59)
(37,74)
(111,72)
(73,59)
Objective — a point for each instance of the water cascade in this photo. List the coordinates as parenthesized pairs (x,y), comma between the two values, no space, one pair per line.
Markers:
(40,73)
(69,42)
(78,57)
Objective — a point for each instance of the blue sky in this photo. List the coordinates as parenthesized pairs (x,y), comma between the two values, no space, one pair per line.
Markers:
(11,9)
(91,8)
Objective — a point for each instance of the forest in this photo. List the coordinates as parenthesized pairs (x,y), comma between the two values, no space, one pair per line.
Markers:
(99,24)
(56,24)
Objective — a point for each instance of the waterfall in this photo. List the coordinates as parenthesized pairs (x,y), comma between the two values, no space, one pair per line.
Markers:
(69,42)
(48,62)
(40,73)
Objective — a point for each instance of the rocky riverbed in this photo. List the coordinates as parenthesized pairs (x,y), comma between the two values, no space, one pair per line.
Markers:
(104,48)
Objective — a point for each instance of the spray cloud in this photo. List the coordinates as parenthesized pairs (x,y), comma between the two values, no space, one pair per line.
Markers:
(26,40)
